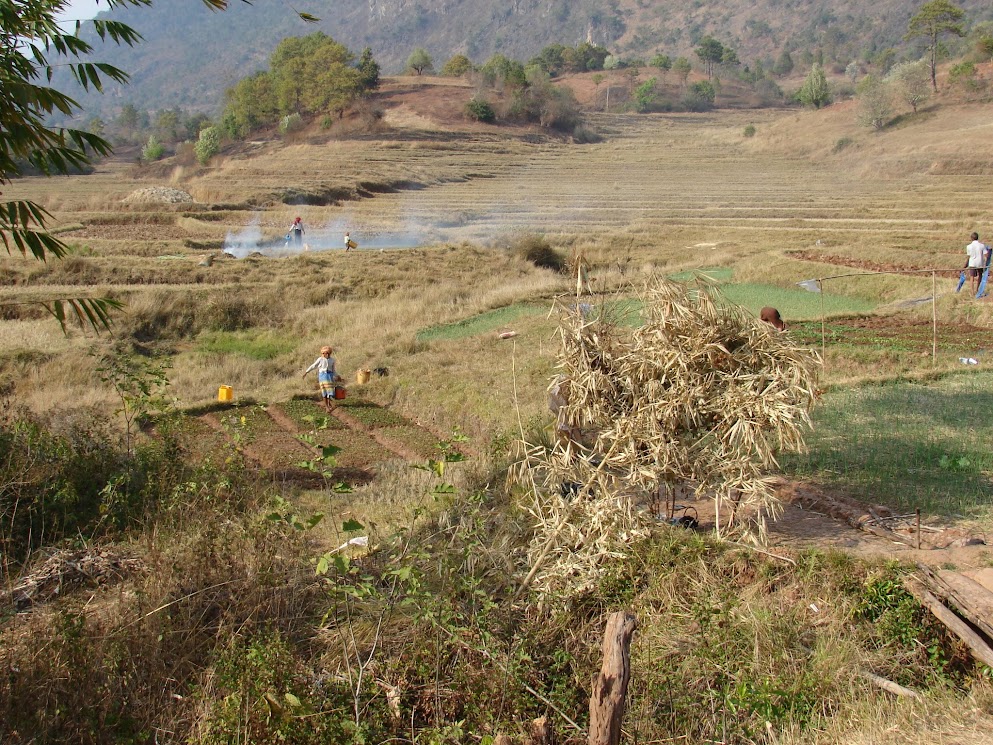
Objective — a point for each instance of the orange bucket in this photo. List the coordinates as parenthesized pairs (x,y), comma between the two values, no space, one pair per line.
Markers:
(339,392)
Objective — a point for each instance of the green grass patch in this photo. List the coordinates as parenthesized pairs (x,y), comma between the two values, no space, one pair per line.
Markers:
(370,414)
(480,324)
(309,414)
(794,303)
(251,344)
(717,273)
(247,423)
(906,445)
(417,439)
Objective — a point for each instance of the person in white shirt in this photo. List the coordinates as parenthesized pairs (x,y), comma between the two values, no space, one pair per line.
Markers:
(327,375)
(976,262)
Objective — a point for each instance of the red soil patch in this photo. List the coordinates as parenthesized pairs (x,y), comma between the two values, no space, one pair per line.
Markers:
(872,266)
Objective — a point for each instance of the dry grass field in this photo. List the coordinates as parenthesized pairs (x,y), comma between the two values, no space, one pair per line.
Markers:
(440,209)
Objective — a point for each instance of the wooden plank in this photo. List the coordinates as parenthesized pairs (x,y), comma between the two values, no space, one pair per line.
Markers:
(982,576)
(971,598)
(980,649)
(973,601)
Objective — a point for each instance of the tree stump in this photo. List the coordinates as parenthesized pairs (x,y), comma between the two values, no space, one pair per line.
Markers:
(611,685)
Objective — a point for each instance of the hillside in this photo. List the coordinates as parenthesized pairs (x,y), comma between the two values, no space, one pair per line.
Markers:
(190,54)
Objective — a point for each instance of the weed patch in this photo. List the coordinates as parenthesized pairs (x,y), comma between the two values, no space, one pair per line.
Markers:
(906,445)
(251,344)
(479,324)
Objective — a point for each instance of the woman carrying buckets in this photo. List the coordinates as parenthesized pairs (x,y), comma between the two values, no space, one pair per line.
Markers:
(327,375)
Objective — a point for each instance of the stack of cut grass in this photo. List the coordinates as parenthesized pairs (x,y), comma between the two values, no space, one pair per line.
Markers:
(702,394)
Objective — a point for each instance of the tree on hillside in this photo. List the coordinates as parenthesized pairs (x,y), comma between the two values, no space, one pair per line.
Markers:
(711,52)
(420,61)
(551,59)
(932,20)
(783,65)
(663,62)
(500,71)
(644,95)
(682,68)
(251,105)
(457,66)
(368,70)
(874,102)
(588,57)
(815,91)
(911,81)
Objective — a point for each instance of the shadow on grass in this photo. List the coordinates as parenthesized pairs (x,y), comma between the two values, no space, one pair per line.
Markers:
(906,445)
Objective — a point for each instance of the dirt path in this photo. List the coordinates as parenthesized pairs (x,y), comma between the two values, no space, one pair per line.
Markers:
(814,519)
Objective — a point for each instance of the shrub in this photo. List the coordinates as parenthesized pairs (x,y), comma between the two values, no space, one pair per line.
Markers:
(153,149)
(208,144)
(457,66)
(583,134)
(538,251)
(841,144)
(479,110)
(964,74)
(290,123)
(749,130)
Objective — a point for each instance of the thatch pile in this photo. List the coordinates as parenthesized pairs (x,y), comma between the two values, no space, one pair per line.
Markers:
(701,395)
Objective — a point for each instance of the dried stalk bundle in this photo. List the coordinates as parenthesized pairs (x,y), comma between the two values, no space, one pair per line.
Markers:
(702,394)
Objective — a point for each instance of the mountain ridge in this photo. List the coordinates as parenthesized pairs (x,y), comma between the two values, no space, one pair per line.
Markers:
(191,54)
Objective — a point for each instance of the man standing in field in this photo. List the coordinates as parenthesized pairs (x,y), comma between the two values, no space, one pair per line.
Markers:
(976,263)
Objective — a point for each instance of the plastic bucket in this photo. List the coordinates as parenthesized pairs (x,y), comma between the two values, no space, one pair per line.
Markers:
(339,392)
(362,376)
(225,393)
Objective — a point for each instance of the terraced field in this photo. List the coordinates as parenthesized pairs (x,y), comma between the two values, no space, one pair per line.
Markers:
(670,193)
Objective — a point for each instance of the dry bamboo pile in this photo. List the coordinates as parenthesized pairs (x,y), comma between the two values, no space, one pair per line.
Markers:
(701,394)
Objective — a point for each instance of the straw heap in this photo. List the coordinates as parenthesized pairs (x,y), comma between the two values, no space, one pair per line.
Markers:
(701,395)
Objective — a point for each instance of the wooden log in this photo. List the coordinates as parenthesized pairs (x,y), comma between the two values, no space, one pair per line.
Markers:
(888,685)
(611,685)
(980,649)
(973,600)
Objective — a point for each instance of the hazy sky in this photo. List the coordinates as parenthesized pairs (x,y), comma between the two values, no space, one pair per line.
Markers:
(80,10)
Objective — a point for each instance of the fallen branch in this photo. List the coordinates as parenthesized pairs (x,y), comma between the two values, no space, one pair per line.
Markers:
(888,685)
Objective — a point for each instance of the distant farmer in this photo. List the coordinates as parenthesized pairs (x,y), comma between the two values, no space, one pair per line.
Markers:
(976,262)
(772,317)
(327,374)
(349,243)
(296,230)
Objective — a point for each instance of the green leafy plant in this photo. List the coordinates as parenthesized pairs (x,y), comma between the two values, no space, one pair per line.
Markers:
(479,110)
(153,149)
(208,144)
(139,383)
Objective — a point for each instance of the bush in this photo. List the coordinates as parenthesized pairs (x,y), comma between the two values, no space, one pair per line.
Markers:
(153,149)
(538,251)
(290,123)
(208,145)
(841,144)
(479,111)
(749,130)
(583,134)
